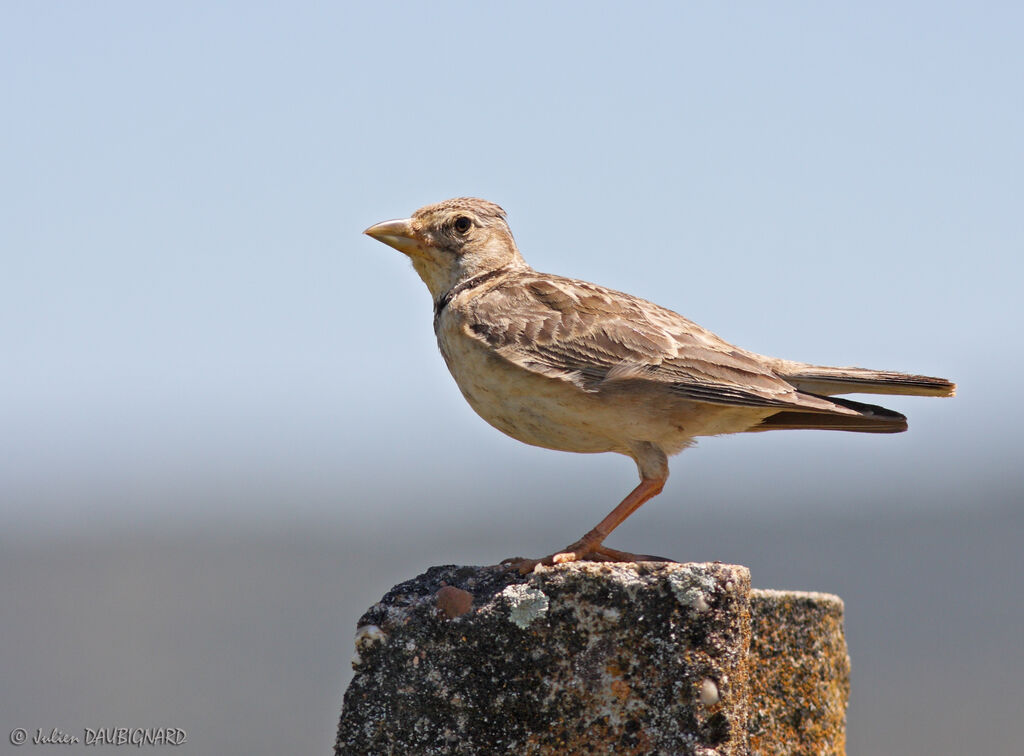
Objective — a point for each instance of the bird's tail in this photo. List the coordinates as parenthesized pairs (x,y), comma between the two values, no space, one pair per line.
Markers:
(827,381)
(869,418)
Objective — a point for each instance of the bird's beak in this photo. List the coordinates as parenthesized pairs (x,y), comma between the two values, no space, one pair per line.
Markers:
(398,234)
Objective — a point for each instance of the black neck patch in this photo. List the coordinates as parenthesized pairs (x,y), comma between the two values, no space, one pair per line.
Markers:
(470,283)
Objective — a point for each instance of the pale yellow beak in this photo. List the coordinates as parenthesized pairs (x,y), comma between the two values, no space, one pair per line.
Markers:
(398,234)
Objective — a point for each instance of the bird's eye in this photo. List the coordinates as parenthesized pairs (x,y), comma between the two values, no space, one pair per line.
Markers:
(462,224)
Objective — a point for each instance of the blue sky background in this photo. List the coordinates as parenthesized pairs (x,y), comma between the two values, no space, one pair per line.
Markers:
(193,327)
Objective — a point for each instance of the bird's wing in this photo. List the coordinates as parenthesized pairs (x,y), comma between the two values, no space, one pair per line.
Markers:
(592,336)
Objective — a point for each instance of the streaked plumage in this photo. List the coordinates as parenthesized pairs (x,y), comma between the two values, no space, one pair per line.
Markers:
(566,364)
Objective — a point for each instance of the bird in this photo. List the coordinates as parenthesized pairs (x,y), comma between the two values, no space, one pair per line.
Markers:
(569,365)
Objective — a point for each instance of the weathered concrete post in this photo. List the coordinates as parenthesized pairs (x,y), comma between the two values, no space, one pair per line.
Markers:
(648,658)
(799,674)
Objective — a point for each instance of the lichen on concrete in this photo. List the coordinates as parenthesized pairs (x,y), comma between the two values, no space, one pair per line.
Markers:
(525,604)
(800,674)
(691,586)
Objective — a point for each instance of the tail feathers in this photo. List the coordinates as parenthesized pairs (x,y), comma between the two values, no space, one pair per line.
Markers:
(870,418)
(815,379)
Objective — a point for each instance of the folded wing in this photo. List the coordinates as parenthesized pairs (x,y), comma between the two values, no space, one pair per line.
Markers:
(592,336)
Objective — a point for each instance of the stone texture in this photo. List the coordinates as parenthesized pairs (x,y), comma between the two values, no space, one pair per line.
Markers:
(645,658)
(648,658)
(799,673)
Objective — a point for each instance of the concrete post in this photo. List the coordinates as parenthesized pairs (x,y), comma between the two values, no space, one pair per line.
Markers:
(592,658)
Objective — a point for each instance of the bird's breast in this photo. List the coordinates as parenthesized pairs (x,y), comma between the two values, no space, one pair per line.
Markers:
(532,408)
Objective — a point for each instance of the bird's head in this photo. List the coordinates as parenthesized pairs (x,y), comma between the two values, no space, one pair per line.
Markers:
(452,241)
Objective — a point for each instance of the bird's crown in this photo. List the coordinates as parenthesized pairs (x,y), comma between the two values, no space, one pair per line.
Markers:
(480,208)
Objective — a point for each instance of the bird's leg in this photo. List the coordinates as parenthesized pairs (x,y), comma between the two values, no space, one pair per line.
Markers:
(589,546)
(591,542)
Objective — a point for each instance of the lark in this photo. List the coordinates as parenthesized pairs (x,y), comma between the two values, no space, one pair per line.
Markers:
(569,365)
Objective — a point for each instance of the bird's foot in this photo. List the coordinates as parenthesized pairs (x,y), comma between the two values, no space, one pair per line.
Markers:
(579,552)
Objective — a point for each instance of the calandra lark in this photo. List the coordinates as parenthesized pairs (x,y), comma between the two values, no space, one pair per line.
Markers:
(570,365)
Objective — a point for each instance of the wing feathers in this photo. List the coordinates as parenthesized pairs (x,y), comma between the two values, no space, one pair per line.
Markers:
(592,336)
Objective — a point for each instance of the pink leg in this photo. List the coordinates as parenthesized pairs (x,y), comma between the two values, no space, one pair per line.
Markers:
(589,546)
